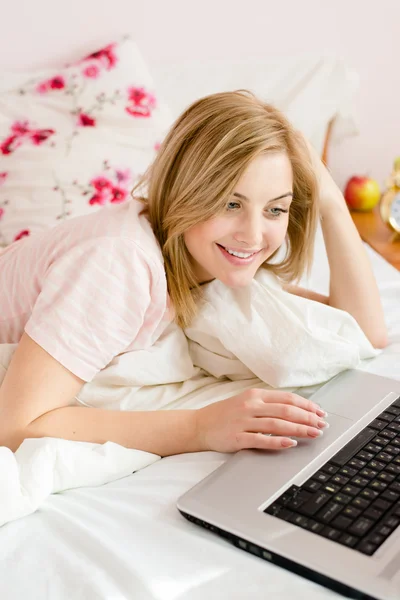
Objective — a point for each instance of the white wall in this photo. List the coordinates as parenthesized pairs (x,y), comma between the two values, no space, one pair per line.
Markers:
(366,33)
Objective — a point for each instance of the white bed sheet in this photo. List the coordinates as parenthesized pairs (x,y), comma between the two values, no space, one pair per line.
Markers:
(126,539)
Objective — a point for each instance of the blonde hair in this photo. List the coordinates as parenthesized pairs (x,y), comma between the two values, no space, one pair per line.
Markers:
(196,170)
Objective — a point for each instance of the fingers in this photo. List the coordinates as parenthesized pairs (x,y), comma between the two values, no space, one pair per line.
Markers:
(291,413)
(263,442)
(290,398)
(282,428)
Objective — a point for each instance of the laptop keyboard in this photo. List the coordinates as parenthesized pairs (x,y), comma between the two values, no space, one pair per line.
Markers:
(354,499)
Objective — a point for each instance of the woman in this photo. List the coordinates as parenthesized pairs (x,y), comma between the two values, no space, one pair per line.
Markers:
(231,182)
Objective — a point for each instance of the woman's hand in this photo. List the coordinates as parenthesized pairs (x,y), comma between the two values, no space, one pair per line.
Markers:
(239,422)
(330,194)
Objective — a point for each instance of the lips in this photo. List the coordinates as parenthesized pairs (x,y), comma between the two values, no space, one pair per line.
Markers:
(235,260)
(239,250)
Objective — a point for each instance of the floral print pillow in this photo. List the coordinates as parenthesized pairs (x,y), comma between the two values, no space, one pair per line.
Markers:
(76,139)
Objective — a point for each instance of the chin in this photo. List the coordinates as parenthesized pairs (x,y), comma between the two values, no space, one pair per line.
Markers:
(239,281)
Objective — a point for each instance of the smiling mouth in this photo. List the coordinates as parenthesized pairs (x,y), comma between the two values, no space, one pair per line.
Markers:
(239,254)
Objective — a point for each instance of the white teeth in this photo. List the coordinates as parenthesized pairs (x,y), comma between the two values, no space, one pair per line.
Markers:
(239,254)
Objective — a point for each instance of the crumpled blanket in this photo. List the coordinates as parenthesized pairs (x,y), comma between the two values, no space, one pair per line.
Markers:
(259,336)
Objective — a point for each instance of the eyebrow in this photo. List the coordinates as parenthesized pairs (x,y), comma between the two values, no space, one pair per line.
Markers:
(269,201)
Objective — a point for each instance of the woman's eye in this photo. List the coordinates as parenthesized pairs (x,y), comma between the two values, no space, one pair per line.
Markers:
(280,211)
(229,205)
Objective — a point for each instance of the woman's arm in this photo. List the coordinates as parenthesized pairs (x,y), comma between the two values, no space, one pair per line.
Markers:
(34,402)
(352,284)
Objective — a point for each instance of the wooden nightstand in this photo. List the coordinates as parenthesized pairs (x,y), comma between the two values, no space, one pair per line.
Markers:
(378,235)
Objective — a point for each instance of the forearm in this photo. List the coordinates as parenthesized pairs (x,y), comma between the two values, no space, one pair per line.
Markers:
(352,283)
(160,432)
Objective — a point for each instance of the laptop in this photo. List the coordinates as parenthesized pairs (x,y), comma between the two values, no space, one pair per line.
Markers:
(328,509)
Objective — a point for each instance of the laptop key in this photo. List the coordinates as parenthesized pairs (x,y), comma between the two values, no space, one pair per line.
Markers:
(385,416)
(329,511)
(298,500)
(361,526)
(391,521)
(394,450)
(311,507)
(340,479)
(363,455)
(381,505)
(342,498)
(376,465)
(386,477)
(321,476)
(351,490)
(390,495)
(395,469)
(368,473)
(331,488)
(348,540)
(387,435)
(348,472)
(375,538)
(372,513)
(361,503)
(314,526)
(374,448)
(377,485)
(393,410)
(367,548)
(369,494)
(311,485)
(378,424)
(359,481)
(380,440)
(352,447)
(356,463)
(351,511)
(394,427)
(330,533)
(328,468)
(384,457)
(298,520)
(342,523)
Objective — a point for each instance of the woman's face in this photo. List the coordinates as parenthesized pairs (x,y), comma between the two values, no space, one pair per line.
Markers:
(253,223)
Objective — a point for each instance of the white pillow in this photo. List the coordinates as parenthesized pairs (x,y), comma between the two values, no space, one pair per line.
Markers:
(76,138)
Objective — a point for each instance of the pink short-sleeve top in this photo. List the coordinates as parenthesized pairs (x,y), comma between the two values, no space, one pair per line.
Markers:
(87,290)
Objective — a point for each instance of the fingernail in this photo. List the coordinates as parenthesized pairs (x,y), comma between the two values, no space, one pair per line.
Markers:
(321,413)
(322,424)
(287,443)
(314,433)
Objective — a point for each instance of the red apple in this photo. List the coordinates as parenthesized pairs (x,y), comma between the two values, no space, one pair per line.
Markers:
(362,193)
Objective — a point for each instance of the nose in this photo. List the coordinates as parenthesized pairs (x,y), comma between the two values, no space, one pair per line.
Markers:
(251,231)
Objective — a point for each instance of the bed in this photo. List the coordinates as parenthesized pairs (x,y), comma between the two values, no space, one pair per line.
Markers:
(125,539)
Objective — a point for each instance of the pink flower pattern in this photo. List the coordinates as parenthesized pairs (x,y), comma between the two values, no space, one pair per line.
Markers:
(21,132)
(106,57)
(55,83)
(91,72)
(85,120)
(141,102)
(108,191)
